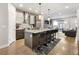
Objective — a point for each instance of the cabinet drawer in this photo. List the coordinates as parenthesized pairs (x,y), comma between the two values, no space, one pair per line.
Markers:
(19,34)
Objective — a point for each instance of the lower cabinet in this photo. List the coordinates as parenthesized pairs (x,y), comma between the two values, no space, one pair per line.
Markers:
(20,34)
(36,40)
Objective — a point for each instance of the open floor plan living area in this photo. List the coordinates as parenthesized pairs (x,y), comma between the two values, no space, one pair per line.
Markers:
(39,28)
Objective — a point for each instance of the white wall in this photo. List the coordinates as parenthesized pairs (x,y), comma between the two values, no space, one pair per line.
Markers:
(78,25)
(3,25)
(19,17)
(70,22)
(12,23)
(7,24)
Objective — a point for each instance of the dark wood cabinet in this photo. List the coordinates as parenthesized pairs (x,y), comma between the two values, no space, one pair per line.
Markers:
(36,40)
(33,40)
(19,34)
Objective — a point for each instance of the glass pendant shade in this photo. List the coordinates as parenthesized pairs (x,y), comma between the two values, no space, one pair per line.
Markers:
(48,15)
(40,17)
(48,19)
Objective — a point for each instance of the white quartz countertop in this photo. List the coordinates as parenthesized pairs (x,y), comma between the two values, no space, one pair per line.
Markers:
(38,31)
(19,28)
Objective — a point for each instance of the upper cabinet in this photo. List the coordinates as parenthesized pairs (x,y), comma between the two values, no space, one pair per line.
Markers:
(39,22)
(26,18)
(32,19)
(19,17)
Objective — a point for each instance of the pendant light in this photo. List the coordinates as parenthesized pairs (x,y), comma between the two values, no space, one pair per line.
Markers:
(48,15)
(40,16)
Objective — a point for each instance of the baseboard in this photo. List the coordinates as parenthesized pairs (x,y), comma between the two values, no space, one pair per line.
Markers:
(3,46)
(11,43)
(6,45)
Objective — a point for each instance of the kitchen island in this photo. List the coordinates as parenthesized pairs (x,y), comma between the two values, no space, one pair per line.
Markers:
(33,38)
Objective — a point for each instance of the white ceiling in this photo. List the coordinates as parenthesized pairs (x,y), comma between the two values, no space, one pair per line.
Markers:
(56,9)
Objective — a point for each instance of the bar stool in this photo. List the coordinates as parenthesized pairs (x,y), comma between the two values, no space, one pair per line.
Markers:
(41,41)
(48,38)
(52,35)
(55,31)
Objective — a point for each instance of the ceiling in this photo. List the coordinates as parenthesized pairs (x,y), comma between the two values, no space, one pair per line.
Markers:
(56,9)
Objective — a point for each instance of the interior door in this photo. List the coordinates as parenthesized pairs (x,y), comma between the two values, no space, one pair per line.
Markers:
(60,26)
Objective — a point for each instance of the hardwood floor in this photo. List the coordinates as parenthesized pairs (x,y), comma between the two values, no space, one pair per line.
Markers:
(67,46)
(17,48)
(78,47)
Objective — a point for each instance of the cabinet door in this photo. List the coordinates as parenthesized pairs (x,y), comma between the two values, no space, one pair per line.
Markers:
(20,34)
(36,39)
(32,19)
(27,18)
(19,17)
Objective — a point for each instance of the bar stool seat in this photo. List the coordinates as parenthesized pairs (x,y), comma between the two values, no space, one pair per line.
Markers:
(48,36)
(53,35)
(41,41)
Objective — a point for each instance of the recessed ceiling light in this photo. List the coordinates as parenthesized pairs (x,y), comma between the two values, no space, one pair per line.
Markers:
(30,8)
(66,6)
(48,19)
(20,5)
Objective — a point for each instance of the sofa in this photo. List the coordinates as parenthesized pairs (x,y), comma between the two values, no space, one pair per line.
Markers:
(70,33)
